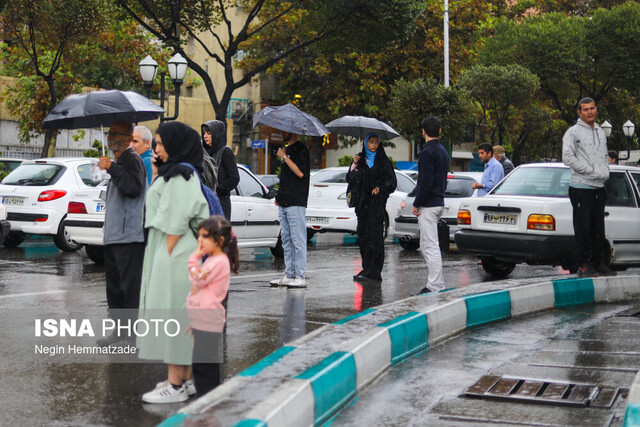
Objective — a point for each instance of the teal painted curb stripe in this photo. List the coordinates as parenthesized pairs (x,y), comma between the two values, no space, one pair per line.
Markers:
(632,415)
(408,333)
(334,384)
(173,421)
(354,316)
(251,423)
(573,292)
(254,370)
(487,307)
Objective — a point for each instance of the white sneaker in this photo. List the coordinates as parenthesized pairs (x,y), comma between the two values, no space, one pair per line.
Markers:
(166,393)
(298,282)
(281,282)
(189,385)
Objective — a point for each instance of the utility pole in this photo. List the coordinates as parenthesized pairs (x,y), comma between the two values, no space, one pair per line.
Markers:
(446,43)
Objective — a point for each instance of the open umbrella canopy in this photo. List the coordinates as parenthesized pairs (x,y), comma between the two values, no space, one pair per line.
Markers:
(101,108)
(359,127)
(288,118)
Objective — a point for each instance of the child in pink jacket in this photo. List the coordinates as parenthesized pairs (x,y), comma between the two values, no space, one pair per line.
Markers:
(210,268)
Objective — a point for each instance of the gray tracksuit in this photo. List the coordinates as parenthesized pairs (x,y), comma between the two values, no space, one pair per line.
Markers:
(584,150)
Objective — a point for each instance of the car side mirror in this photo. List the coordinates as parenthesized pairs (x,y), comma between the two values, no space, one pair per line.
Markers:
(273,192)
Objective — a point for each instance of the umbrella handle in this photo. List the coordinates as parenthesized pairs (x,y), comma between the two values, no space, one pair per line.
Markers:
(102,136)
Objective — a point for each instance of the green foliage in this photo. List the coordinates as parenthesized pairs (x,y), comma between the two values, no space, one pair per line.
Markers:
(95,151)
(499,91)
(345,160)
(412,101)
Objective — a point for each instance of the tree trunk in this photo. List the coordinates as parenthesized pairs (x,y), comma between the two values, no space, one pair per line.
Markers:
(315,152)
(49,148)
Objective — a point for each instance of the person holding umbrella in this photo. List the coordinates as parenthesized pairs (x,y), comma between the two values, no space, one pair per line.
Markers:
(292,201)
(377,181)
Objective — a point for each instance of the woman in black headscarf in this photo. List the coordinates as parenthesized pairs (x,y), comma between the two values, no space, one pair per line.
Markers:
(214,141)
(174,202)
(377,180)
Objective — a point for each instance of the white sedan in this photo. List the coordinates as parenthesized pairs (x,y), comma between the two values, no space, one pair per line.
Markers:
(254,217)
(36,195)
(527,218)
(458,188)
(327,208)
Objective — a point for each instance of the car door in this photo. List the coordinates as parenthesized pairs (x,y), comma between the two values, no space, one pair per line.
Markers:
(238,212)
(621,217)
(262,217)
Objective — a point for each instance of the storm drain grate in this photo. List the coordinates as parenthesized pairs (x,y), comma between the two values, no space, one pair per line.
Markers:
(631,312)
(543,391)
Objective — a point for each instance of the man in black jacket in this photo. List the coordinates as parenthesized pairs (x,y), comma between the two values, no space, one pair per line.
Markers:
(123,233)
(433,166)
(214,137)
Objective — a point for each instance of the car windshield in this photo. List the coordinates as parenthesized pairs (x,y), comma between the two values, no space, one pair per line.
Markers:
(33,174)
(332,176)
(459,187)
(536,181)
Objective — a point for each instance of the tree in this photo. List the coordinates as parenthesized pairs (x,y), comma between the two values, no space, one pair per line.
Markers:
(42,31)
(412,101)
(175,21)
(499,91)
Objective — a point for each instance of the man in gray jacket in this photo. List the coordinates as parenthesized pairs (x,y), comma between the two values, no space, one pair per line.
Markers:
(123,235)
(584,150)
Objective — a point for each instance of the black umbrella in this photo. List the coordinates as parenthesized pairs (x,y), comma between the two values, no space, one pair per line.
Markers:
(359,127)
(101,108)
(288,118)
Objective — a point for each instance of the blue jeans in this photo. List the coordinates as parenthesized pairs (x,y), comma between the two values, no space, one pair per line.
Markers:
(293,229)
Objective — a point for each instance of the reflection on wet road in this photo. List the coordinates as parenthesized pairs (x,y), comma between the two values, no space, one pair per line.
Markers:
(260,320)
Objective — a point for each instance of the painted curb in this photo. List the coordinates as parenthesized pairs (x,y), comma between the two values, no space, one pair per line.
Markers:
(313,391)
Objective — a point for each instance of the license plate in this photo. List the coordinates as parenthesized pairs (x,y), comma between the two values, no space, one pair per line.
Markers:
(500,219)
(16,201)
(317,220)
(100,207)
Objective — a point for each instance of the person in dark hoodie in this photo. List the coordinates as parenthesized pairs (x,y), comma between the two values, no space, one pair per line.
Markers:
(378,180)
(214,141)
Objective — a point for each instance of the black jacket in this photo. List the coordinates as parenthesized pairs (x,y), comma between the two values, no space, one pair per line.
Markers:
(294,191)
(228,176)
(380,175)
(433,167)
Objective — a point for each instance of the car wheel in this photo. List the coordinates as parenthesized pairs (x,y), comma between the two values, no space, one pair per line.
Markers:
(14,239)
(497,269)
(310,234)
(410,245)
(63,241)
(95,253)
(278,250)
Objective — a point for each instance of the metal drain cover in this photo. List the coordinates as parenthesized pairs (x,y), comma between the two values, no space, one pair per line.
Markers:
(543,391)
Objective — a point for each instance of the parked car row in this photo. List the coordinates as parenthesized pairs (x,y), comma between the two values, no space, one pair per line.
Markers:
(254,217)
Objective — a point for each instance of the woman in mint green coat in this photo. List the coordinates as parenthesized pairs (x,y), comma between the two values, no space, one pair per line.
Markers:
(174,206)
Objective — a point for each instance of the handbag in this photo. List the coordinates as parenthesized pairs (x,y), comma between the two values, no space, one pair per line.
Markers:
(354,188)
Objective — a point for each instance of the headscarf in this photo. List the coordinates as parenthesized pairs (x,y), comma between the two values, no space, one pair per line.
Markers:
(218,130)
(370,155)
(182,143)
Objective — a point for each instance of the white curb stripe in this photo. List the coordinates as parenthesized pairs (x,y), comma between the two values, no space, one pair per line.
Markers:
(292,404)
(446,320)
(530,298)
(372,354)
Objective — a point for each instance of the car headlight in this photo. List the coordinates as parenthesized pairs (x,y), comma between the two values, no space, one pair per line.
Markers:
(541,222)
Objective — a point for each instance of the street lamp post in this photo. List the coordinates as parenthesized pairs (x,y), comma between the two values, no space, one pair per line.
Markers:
(606,127)
(177,69)
(629,129)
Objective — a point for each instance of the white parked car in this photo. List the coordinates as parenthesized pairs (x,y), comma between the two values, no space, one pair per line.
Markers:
(254,217)
(458,187)
(5,226)
(527,218)
(36,195)
(327,208)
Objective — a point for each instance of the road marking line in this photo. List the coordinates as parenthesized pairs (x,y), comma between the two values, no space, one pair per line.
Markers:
(30,294)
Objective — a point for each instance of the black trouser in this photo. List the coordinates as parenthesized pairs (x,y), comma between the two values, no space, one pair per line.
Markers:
(371,240)
(588,223)
(207,347)
(123,265)
(225,203)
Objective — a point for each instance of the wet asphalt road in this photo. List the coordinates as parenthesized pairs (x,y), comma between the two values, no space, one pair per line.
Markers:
(36,276)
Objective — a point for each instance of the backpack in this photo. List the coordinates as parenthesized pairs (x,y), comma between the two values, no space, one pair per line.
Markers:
(209,194)
(354,188)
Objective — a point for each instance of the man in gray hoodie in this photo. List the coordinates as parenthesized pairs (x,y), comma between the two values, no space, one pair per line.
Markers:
(584,150)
